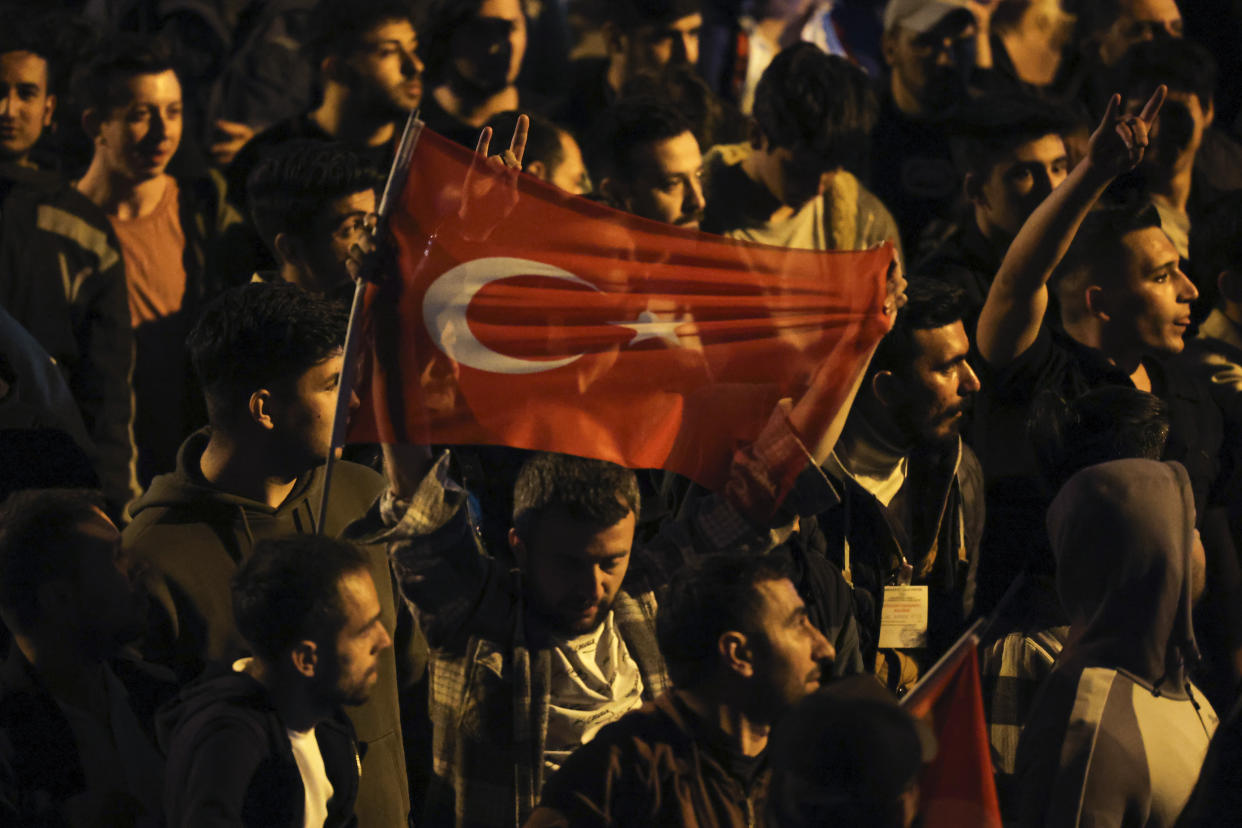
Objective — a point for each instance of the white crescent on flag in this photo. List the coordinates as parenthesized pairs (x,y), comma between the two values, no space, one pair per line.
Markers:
(448,298)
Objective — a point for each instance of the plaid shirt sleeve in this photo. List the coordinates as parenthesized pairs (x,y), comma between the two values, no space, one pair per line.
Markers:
(452,586)
(771,481)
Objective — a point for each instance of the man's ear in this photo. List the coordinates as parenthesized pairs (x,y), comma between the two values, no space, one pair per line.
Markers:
(611,193)
(1096,299)
(888,46)
(49,109)
(886,388)
(754,134)
(330,68)
(518,547)
(305,658)
(615,40)
(538,169)
(288,249)
(736,653)
(91,123)
(972,185)
(1229,283)
(262,409)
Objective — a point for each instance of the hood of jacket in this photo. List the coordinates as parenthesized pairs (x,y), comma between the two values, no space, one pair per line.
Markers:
(246,698)
(186,487)
(1122,533)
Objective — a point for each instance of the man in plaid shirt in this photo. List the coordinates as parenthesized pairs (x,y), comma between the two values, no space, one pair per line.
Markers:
(529,661)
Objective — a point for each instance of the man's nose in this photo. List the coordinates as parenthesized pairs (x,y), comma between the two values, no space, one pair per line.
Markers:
(1188,292)
(411,66)
(824,651)
(694,197)
(970,381)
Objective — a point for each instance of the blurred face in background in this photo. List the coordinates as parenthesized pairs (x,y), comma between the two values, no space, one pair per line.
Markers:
(25,106)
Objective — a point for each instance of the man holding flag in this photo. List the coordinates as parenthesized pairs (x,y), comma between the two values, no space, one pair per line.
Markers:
(525,318)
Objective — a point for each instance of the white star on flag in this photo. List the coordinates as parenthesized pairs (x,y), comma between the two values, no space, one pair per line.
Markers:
(649,326)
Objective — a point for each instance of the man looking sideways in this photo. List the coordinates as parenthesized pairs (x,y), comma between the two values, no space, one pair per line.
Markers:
(265,741)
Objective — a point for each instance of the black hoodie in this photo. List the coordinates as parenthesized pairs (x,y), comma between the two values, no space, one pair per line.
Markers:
(230,761)
(193,536)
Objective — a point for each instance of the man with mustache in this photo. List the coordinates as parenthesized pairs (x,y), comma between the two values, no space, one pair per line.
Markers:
(648,162)
(474,54)
(265,741)
(911,492)
(790,185)
(366,53)
(740,650)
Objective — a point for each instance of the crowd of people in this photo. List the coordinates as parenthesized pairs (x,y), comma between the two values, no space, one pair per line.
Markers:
(1049,436)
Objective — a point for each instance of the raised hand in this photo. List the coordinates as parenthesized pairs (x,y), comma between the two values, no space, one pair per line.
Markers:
(481,208)
(1118,144)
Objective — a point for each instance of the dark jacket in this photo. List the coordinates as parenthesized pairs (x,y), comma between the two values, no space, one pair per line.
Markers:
(62,278)
(660,765)
(40,768)
(947,524)
(230,761)
(194,536)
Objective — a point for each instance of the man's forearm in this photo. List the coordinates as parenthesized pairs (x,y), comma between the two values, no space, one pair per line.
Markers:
(1018,298)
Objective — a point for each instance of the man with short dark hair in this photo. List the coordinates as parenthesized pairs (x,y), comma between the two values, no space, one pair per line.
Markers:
(475,50)
(552,154)
(1124,307)
(77,740)
(640,36)
(911,492)
(1010,154)
(265,741)
(62,276)
(170,229)
(311,202)
(740,650)
(790,185)
(268,357)
(647,162)
(366,53)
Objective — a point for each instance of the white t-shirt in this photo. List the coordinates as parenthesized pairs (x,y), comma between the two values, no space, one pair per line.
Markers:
(314,777)
(595,681)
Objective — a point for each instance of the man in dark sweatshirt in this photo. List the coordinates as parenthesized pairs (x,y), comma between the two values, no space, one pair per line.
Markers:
(268,357)
(265,741)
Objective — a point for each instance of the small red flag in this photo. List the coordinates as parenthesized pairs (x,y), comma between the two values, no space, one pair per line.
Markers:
(957,789)
(530,318)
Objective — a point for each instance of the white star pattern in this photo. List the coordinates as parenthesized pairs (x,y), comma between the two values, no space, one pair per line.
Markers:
(649,326)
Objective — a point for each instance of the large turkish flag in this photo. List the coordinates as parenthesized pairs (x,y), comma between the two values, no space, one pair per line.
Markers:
(530,318)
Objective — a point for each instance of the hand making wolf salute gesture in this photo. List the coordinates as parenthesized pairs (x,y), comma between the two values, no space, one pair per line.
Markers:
(1118,144)
(1014,310)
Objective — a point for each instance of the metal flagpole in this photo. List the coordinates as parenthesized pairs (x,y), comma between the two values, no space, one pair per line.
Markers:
(353,333)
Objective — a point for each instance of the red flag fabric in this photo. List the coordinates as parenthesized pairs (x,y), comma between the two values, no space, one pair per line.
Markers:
(957,789)
(527,317)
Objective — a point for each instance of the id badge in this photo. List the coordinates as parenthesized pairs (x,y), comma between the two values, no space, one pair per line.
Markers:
(903,622)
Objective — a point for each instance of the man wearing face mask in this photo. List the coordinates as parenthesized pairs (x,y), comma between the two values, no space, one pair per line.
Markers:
(474,55)
(935,51)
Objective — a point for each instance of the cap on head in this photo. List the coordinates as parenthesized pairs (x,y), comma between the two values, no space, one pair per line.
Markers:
(921,15)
